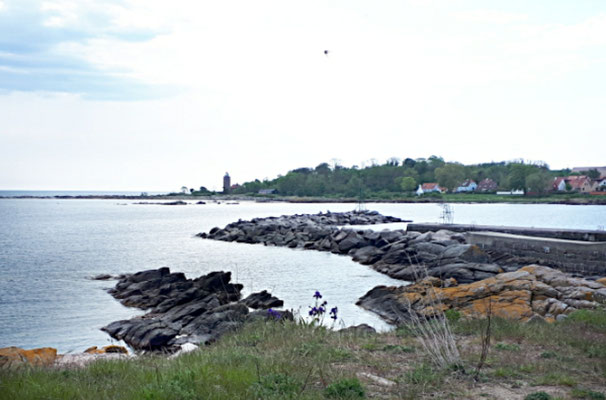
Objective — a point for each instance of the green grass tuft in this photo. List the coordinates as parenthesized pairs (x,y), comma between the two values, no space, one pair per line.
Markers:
(345,389)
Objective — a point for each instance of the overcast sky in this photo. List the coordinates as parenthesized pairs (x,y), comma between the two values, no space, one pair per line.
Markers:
(153,95)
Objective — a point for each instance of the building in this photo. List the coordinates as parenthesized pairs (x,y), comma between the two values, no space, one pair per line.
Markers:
(468,185)
(267,191)
(559,184)
(581,183)
(601,170)
(428,188)
(487,185)
(226,183)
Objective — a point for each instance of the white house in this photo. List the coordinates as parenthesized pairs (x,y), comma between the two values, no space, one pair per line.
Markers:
(468,186)
(428,188)
(559,184)
(601,185)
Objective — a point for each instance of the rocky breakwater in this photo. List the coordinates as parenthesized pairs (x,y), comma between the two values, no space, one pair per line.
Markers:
(397,253)
(183,311)
(531,293)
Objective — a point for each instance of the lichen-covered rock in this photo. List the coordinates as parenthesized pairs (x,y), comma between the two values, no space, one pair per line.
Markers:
(112,348)
(533,291)
(11,357)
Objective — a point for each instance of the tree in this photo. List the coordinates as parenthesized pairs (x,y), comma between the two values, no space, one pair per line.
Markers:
(323,169)
(408,184)
(517,175)
(409,162)
(450,175)
(538,182)
(592,173)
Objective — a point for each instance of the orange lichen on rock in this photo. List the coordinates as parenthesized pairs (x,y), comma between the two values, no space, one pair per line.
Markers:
(509,305)
(602,281)
(112,348)
(15,356)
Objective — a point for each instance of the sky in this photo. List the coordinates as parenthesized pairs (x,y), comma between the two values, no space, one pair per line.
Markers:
(155,95)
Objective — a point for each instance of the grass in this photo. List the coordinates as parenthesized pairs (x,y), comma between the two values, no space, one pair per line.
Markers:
(296,361)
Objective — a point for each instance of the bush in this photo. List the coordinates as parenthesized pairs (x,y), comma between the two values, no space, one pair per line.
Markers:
(277,386)
(345,389)
(452,315)
(587,394)
(538,396)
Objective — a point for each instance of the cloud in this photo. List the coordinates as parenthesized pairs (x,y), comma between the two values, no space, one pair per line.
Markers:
(490,16)
(33,35)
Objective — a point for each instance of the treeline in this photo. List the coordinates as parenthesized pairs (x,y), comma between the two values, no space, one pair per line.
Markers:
(403,177)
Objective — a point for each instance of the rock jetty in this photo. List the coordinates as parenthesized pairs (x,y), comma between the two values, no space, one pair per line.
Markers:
(531,293)
(182,310)
(396,253)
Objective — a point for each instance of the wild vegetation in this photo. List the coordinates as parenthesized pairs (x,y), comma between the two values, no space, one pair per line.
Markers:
(277,359)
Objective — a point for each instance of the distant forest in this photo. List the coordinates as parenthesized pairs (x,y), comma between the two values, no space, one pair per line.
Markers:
(403,177)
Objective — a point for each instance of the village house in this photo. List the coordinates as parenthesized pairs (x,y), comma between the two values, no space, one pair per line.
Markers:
(487,185)
(559,184)
(428,188)
(581,183)
(467,186)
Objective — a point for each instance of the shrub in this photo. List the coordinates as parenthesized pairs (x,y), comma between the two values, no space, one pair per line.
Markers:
(538,396)
(276,385)
(345,389)
(452,315)
(587,394)
(507,347)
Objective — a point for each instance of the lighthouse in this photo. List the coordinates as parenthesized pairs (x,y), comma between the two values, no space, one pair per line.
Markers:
(226,183)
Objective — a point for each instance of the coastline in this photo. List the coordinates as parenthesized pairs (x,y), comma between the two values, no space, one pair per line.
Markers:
(456,198)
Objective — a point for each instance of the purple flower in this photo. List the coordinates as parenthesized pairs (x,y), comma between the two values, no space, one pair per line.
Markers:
(333,313)
(317,295)
(274,314)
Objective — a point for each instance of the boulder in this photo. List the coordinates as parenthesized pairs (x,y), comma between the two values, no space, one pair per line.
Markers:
(112,348)
(368,255)
(263,300)
(531,292)
(11,357)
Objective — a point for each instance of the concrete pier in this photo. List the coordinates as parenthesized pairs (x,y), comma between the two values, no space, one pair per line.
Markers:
(567,234)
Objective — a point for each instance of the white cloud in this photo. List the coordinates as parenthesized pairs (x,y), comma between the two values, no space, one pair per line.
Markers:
(490,17)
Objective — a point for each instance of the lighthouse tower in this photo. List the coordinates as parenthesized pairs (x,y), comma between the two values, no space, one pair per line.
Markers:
(226,183)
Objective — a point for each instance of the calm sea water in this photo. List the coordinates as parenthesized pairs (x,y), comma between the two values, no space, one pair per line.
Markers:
(49,248)
(52,193)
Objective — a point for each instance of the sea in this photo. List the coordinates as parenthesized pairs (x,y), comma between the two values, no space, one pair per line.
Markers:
(50,248)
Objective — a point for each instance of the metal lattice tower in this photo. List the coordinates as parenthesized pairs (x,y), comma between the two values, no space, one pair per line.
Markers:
(361,207)
(447,215)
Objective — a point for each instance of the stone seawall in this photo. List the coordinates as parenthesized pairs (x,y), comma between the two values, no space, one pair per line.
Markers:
(568,234)
(581,257)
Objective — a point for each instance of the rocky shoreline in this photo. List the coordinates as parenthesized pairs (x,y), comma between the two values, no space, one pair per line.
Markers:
(182,311)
